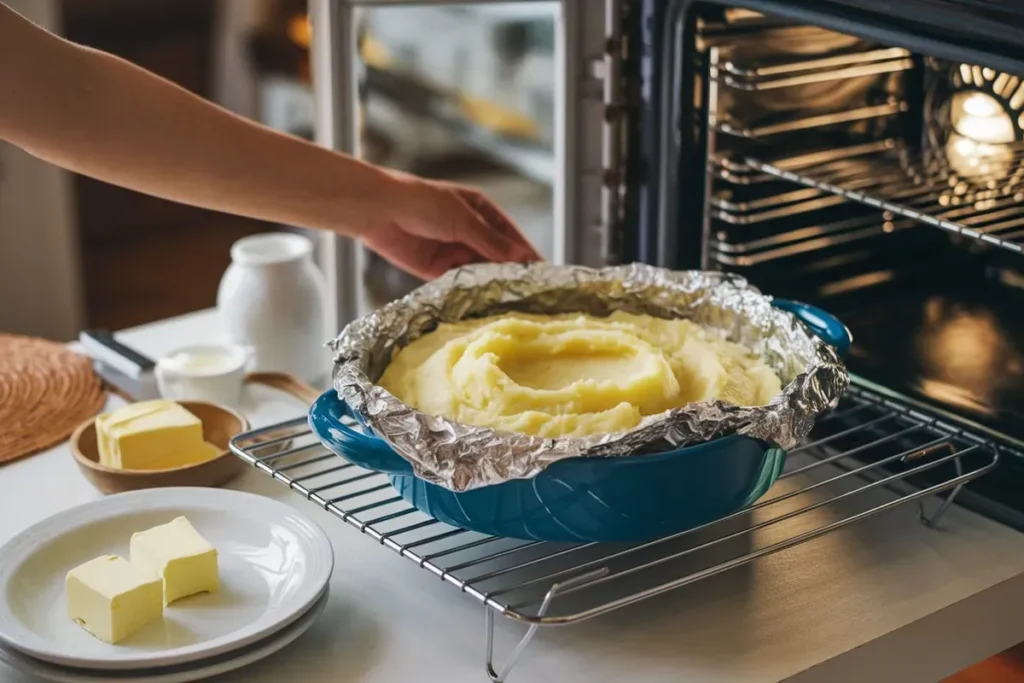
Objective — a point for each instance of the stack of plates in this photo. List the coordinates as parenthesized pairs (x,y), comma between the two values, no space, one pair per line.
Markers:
(275,566)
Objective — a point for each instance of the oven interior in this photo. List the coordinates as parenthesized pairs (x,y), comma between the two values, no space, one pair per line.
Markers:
(884,186)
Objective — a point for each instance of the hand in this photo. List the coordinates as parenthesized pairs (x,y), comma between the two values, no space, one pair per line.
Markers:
(429,227)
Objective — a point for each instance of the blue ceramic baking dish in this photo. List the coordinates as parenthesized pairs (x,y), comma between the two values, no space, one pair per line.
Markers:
(603,499)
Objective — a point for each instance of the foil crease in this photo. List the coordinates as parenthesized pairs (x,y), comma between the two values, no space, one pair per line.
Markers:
(462,457)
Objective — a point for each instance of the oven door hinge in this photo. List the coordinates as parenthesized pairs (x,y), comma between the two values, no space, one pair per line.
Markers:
(613,131)
(597,114)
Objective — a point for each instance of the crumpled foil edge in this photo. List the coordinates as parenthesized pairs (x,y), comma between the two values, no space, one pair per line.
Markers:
(462,457)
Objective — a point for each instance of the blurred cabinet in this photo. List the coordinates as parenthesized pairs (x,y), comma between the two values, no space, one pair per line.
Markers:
(463,92)
(40,276)
(437,80)
(136,249)
(493,66)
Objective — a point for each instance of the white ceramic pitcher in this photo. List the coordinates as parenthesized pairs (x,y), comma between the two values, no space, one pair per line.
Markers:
(272,298)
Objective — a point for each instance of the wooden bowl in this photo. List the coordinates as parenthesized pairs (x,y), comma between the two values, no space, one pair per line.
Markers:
(220,424)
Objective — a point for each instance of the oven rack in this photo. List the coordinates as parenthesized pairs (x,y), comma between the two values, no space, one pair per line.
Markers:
(759,218)
(872,454)
(976,197)
(803,240)
(799,72)
(731,126)
(779,205)
(736,170)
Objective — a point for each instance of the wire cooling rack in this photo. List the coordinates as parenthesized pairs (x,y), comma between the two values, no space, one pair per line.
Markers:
(869,442)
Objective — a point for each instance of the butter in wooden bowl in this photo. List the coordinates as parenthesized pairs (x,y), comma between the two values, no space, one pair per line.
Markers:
(151,435)
(159,443)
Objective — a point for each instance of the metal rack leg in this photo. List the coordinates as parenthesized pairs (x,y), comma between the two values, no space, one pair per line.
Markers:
(931,520)
(499,677)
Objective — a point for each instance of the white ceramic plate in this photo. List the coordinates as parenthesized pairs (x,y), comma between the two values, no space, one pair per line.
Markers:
(274,564)
(180,674)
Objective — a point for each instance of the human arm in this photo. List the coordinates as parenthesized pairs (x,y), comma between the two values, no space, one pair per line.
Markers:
(98,115)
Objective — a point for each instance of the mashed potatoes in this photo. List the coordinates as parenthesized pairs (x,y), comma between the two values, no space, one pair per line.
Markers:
(572,374)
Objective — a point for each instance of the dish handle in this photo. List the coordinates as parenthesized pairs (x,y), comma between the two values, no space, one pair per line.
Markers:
(823,324)
(333,421)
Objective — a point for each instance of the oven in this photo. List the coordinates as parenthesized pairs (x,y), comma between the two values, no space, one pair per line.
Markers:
(861,155)
(864,156)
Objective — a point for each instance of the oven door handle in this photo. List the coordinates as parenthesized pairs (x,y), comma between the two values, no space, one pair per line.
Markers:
(826,326)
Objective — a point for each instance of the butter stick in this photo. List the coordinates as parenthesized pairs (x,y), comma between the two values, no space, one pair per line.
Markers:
(179,556)
(151,435)
(111,599)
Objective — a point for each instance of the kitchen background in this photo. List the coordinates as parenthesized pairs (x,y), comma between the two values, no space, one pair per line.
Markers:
(462,93)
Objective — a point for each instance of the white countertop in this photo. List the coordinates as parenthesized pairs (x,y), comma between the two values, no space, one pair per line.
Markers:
(886,600)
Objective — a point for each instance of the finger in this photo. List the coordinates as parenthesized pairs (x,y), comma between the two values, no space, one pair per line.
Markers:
(500,221)
(524,250)
(410,253)
(425,258)
(448,256)
(477,234)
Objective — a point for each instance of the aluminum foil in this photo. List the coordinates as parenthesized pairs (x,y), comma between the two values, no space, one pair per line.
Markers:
(462,457)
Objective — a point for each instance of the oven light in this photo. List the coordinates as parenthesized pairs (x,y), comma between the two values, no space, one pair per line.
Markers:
(972,159)
(978,116)
(980,105)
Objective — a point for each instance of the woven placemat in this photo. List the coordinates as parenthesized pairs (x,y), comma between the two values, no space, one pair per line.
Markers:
(46,390)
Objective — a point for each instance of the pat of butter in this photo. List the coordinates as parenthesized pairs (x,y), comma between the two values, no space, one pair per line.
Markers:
(176,552)
(151,435)
(112,599)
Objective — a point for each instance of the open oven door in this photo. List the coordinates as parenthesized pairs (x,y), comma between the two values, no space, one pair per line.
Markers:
(594,128)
